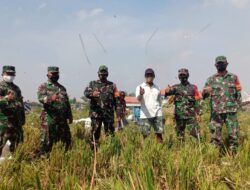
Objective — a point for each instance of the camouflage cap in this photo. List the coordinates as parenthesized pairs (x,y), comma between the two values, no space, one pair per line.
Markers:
(9,69)
(221,59)
(103,68)
(53,69)
(183,71)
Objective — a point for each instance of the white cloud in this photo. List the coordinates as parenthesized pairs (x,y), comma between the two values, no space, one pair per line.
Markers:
(84,14)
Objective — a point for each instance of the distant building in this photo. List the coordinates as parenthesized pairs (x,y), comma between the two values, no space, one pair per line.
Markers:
(131,101)
(245,97)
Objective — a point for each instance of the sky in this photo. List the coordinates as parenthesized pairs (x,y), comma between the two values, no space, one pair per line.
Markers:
(127,36)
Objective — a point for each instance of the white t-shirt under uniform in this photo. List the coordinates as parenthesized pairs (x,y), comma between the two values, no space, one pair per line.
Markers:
(151,103)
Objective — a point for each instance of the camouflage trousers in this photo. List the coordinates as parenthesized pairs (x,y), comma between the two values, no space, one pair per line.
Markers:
(12,132)
(122,122)
(191,125)
(53,133)
(148,123)
(231,122)
(96,125)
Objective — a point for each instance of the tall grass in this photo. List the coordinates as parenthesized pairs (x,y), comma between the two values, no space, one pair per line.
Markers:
(127,161)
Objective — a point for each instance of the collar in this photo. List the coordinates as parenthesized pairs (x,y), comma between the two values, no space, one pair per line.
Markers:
(188,83)
(146,84)
(51,83)
(218,75)
(99,81)
(7,83)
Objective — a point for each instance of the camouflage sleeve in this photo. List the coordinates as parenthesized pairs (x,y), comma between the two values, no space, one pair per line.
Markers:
(89,90)
(171,92)
(42,95)
(21,111)
(238,91)
(64,94)
(119,108)
(204,93)
(3,99)
(69,111)
(197,104)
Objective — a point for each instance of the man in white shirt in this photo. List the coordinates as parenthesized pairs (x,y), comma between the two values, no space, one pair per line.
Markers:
(149,96)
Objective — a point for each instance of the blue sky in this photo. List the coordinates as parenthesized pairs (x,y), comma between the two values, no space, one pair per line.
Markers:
(190,33)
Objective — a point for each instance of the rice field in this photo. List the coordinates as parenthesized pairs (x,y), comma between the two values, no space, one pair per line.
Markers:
(128,162)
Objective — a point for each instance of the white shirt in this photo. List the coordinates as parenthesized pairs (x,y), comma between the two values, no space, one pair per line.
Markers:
(151,103)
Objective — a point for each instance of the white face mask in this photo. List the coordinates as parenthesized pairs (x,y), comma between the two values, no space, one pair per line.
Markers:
(8,78)
(149,79)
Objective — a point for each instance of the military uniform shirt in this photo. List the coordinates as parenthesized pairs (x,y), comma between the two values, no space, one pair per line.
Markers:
(226,93)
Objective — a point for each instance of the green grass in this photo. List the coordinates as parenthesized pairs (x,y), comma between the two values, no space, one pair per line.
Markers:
(127,161)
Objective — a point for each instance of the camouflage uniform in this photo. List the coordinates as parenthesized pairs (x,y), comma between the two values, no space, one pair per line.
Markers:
(187,107)
(102,107)
(121,111)
(54,124)
(12,115)
(225,98)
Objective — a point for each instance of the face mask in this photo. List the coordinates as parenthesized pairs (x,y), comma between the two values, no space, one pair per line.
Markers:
(149,79)
(221,67)
(183,78)
(103,76)
(8,79)
(54,78)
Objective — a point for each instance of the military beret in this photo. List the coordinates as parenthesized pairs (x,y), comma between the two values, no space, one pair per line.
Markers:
(9,68)
(183,71)
(53,69)
(103,68)
(221,59)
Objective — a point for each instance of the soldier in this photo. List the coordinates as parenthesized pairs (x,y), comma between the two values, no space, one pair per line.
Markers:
(121,111)
(187,107)
(149,95)
(56,114)
(12,115)
(103,96)
(224,90)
